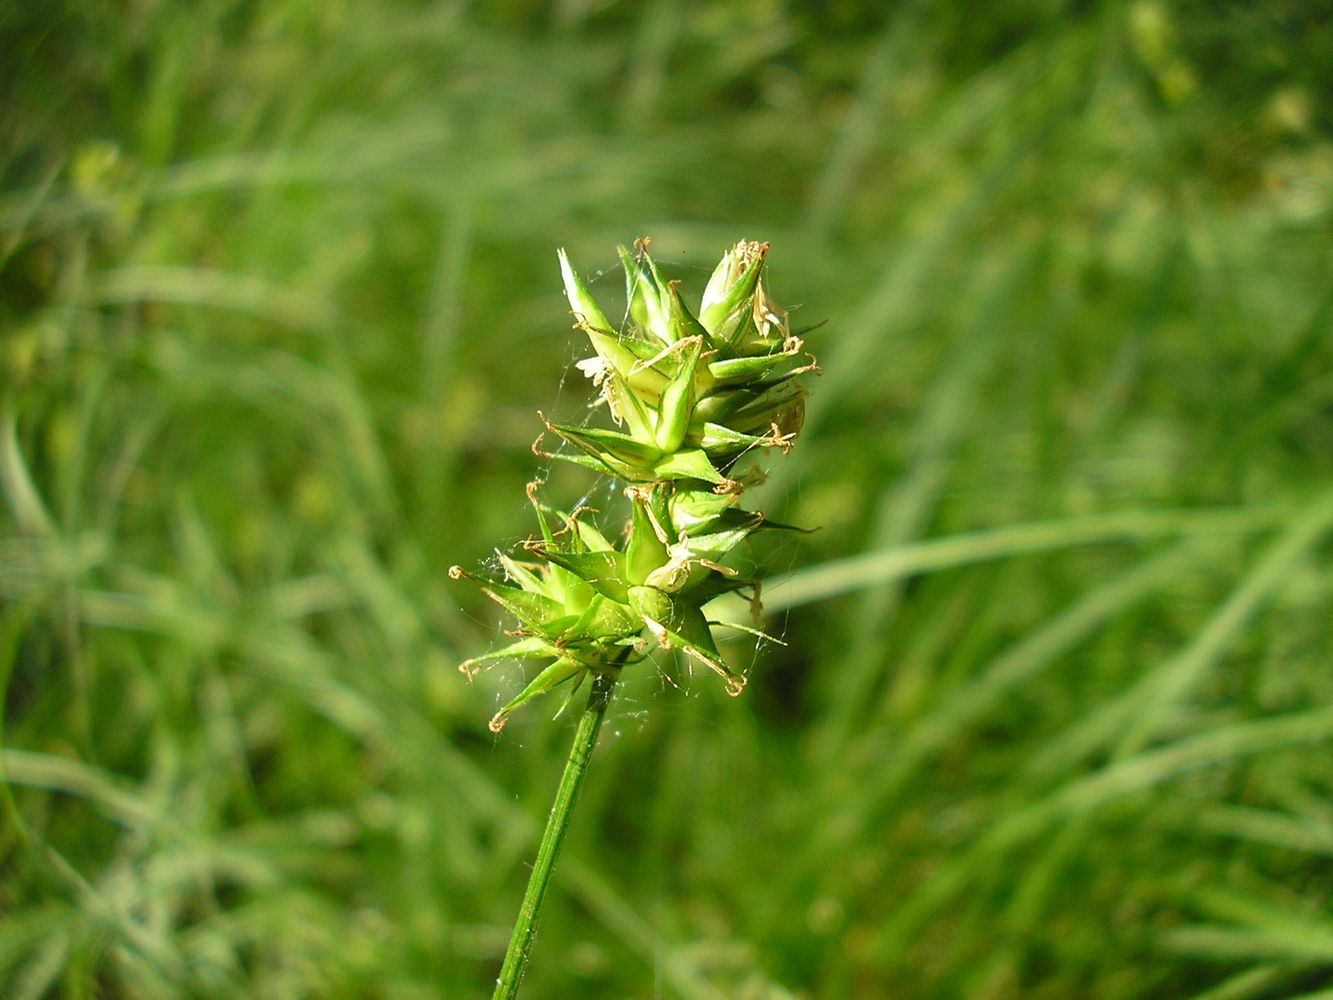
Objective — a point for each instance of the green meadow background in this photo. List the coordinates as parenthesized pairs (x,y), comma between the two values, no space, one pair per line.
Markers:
(278,305)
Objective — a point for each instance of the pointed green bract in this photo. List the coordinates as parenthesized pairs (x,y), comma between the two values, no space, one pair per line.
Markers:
(527,579)
(553,676)
(628,358)
(681,321)
(694,511)
(629,408)
(678,399)
(676,622)
(605,623)
(723,442)
(644,292)
(529,647)
(693,463)
(619,454)
(715,545)
(603,571)
(524,605)
(646,550)
(727,304)
(585,307)
(747,371)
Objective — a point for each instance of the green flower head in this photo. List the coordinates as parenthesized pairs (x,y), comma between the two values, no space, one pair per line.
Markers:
(690,395)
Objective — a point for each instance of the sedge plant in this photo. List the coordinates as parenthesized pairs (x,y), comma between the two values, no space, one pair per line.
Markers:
(691,397)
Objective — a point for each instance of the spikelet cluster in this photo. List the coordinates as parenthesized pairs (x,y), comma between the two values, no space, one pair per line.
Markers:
(691,397)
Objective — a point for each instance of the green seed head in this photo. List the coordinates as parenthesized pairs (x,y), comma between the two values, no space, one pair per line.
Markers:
(690,395)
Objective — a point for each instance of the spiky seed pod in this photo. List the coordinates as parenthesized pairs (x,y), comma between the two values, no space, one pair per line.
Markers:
(692,394)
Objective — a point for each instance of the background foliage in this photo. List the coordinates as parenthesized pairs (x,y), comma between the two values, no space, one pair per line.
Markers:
(278,299)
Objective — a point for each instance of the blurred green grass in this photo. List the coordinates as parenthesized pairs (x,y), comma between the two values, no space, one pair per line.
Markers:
(278,301)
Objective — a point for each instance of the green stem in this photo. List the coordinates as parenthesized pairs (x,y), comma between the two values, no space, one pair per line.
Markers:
(580,754)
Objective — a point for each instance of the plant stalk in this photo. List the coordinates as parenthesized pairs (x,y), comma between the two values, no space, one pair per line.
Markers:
(580,754)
